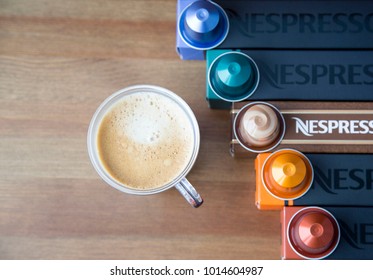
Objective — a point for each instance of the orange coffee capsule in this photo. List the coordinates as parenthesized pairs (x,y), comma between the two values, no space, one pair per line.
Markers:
(313,233)
(287,174)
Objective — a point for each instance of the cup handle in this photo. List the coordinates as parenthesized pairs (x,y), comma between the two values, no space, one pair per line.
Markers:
(189,193)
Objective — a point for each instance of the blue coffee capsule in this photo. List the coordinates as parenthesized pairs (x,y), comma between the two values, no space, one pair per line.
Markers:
(203,25)
(233,76)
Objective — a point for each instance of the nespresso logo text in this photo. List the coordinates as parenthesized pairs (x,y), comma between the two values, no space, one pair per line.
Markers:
(334,181)
(251,24)
(279,75)
(312,127)
(357,235)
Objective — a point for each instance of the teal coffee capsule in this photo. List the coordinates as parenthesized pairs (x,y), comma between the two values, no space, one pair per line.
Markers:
(233,76)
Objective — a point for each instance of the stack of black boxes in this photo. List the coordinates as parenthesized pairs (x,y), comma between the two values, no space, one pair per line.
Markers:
(297,77)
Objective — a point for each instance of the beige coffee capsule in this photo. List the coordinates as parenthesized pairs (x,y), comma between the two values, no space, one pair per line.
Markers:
(259,127)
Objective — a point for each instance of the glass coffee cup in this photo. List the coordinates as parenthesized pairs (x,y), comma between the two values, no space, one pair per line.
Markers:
(144,140)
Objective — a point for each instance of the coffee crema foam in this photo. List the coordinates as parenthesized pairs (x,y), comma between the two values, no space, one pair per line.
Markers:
(145,140)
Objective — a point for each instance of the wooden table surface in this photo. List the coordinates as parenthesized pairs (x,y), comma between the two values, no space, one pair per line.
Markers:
(58,61)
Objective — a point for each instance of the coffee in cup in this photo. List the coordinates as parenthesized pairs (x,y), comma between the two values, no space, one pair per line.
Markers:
(144,140)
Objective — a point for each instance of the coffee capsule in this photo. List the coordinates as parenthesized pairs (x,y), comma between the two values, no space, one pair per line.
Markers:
(259,127)
(233,76)
(313,233)
(287,174)
(203,25)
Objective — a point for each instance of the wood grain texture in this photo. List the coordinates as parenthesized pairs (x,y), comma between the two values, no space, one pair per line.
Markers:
(58,61)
